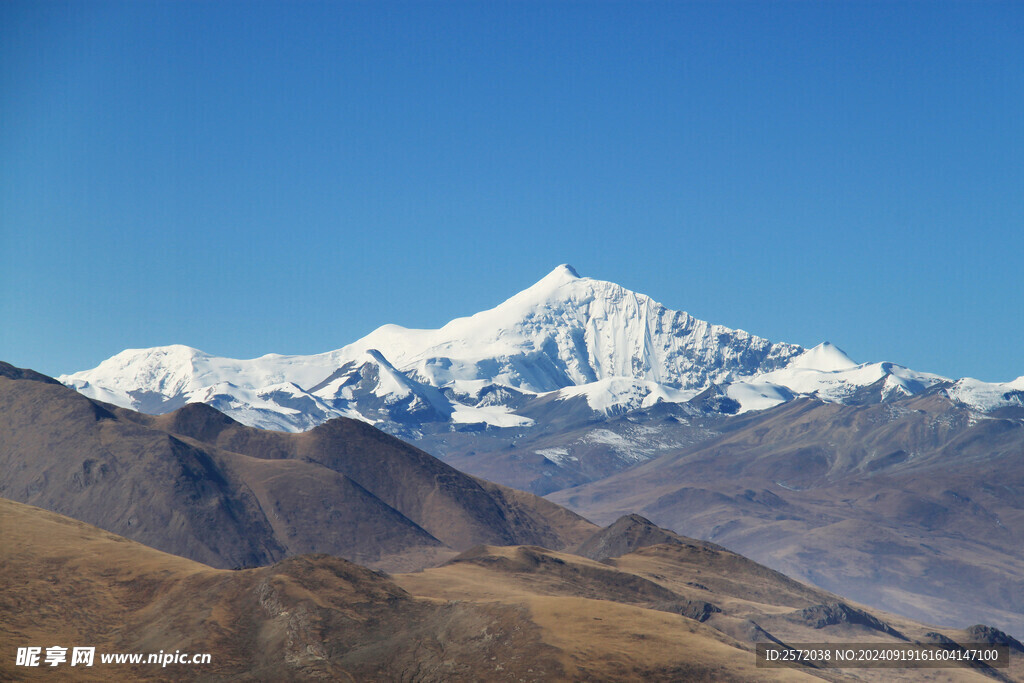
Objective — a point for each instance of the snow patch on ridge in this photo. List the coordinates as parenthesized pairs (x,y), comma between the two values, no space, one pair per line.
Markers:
(757,396)
(616,395)
(559,456)
(496,416)
(986,396)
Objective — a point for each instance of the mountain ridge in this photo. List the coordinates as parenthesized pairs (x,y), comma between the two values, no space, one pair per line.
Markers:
(564,336)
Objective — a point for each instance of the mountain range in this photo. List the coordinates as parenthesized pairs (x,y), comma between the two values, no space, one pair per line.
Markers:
(565,353)
(900,488)
(507,585)
(565,337)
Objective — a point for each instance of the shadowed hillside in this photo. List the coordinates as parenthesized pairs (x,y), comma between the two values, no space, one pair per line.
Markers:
(198,484)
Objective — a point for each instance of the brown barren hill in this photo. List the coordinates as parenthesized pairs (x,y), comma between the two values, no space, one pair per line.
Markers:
(198,484)
(667,612)
(317,618)
(682,610)
(312,617)
(456,508)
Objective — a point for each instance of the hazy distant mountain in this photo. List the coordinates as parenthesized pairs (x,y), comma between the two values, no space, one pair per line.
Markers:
(198,484)
(914,505)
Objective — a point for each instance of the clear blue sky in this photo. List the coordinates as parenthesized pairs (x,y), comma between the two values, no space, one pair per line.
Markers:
(284,177)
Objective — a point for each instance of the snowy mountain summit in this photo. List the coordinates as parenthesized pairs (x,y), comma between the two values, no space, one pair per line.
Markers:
(565,339)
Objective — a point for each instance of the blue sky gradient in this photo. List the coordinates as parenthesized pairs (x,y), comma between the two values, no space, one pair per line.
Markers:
(249,178)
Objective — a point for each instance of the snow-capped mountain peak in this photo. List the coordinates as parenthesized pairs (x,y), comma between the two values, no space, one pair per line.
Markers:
(568,330)
(564,337)
(825,357)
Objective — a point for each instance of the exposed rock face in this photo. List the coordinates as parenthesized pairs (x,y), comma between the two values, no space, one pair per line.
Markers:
(834,613)
(980,633)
